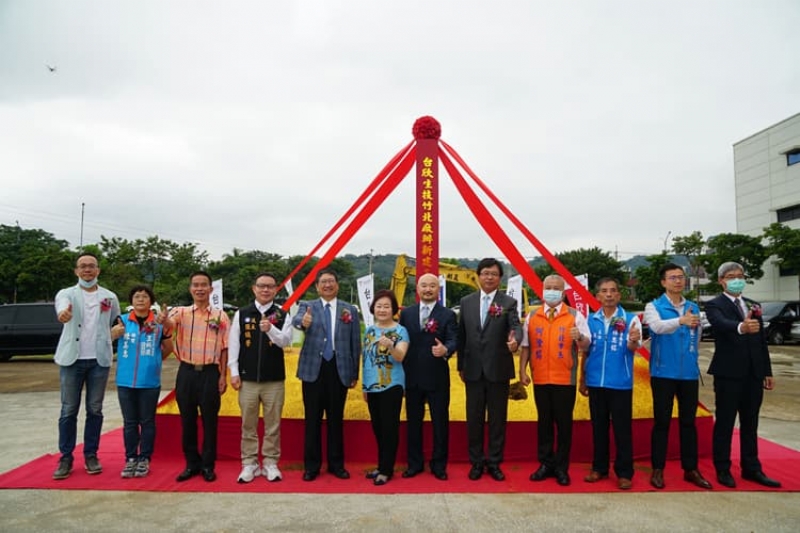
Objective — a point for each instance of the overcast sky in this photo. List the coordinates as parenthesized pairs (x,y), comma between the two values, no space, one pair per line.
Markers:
(257,124)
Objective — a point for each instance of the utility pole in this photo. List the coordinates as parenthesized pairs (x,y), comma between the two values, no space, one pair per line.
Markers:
(80,247)
(370,260)
(666,239)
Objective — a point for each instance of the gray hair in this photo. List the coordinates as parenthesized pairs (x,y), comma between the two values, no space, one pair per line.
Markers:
(724,268)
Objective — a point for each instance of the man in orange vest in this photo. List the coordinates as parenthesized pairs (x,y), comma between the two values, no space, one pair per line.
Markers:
(552,338)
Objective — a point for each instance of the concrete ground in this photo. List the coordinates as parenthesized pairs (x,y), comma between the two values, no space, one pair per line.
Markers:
(29,405)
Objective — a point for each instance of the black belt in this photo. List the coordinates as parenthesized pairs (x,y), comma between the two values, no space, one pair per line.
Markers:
(199,368)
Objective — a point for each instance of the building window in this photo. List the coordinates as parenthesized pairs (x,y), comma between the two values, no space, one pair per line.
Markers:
(789,213)
(792,157)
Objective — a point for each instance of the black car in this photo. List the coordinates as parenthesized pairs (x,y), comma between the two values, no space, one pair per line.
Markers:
(28,329)
(779,317)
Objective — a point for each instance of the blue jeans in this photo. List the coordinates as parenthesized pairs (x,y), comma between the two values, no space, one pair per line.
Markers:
(138,408)
(73,378)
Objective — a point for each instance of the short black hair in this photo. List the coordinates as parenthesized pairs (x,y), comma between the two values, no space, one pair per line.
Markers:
(142,288)
(662,272)
(385,293)
(603,281)
(326,270)
(489,262)
(265,274)
(87,254)
(201,273)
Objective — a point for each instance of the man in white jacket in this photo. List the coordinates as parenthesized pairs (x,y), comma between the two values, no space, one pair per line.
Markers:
(84,354)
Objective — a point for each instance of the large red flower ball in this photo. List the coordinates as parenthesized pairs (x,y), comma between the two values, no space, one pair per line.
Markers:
(427,128)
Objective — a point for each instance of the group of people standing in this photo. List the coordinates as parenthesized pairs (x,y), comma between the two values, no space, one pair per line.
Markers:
(562,353)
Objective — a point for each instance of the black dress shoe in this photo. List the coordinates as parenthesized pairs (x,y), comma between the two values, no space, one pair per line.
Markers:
(562,478)
(411,472)
(372,474)
(341,473)
(657,478)
(695,477)
(495,473)
(762,479)
(209,474)
(310,475)
(475,472)
(725,479)
(187,474)
(542,473)
(441,475)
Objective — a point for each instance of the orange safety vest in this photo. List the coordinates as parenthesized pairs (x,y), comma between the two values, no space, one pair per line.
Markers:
(554,355)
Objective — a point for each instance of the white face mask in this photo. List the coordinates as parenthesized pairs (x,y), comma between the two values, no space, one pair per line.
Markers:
(553,297)
(87,284)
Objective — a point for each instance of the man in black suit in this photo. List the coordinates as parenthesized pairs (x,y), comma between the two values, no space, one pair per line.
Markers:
(741,370)
(489,333)
(432,331)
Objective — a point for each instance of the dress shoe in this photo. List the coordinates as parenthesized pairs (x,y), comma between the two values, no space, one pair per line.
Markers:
(411,472)
(310,475)
(725,479)
(495,473)
(187,474)
(209,474)
(657,478)
(475,472)
(562,478)
(695,477)
(372,474)
(594,476)
(441,475)
(341,473)
(762,479)
(542,473)
(381,479)
(624,483)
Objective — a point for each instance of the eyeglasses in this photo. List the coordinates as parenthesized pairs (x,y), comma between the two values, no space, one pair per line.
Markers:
(676,278)
(85,266)
(266,286)
(733,276)
(327,282)
(489,274)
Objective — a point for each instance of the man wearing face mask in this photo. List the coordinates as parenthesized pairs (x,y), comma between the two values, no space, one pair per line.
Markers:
(742,370)
(551,340)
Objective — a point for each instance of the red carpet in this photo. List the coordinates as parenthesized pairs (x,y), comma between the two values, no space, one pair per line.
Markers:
(779,462)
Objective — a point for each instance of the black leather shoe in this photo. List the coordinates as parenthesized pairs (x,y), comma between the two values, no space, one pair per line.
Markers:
(209,475)
(475,472)
(495,473)
(187,474)
(657,478)
(372,474)
(762,479)
(695,477)
(441,475)
(411,472)
(341,473)
(562,478)
(309,475)
(725,479)
(542,473)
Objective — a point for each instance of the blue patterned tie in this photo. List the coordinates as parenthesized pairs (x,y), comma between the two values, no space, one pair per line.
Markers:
(484,309)
(327,351)
(425,312)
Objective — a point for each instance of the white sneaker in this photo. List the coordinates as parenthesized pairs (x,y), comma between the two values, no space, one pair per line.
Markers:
(248,473)
(272,473)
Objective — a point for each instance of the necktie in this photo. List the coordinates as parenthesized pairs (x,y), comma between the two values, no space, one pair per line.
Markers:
(424,313)
(327,351)
(551,314)
(738,305)
(484,308)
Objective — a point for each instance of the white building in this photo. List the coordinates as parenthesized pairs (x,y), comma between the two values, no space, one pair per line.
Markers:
(767,169)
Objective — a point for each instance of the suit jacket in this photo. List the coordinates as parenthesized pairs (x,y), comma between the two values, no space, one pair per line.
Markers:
(483,350)
(422,369)
(735,355)
(68,344)
(346,344)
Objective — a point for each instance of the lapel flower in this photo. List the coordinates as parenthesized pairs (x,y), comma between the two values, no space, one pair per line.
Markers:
(149,327)
(495,310)
(274,317)
(215,323)
(430,326)
(755,310)
(618,324)
(105,305)
(346,317)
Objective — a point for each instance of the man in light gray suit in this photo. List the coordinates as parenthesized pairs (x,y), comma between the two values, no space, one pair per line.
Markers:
(328,366)
(489,332)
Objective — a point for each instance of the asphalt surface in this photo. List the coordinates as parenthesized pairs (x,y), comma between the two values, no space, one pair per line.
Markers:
(29,406)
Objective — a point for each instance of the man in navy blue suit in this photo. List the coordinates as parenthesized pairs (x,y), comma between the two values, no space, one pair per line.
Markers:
(328,366)
(433,335)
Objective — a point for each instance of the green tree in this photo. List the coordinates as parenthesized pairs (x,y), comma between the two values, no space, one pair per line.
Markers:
(692,247)
(743,249)
(648,282)
(783,243)
(592,261)
(34,265)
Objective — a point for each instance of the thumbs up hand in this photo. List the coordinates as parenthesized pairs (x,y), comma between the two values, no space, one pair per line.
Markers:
(512,342)
(438,349)
(689,319)
(307,318)
(65,315)
(635,335)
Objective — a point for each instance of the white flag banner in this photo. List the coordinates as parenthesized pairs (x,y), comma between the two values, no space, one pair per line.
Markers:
(442,290)
(514,289)
(366,291)
(216,294)
(575,299)
(289,291)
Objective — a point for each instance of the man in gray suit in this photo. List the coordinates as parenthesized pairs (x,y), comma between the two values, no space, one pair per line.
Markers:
(488,334)
(328,366)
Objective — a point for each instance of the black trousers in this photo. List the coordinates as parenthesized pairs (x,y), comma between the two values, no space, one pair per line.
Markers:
(325,395)
(384,414)
(486,400)
(555,404)
(439,405)
(198,390)
(615,408)
(665,391)
(732,396)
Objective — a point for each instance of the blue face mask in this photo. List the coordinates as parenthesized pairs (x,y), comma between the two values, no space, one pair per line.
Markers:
(87,284)
(552,296)
(735,286)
